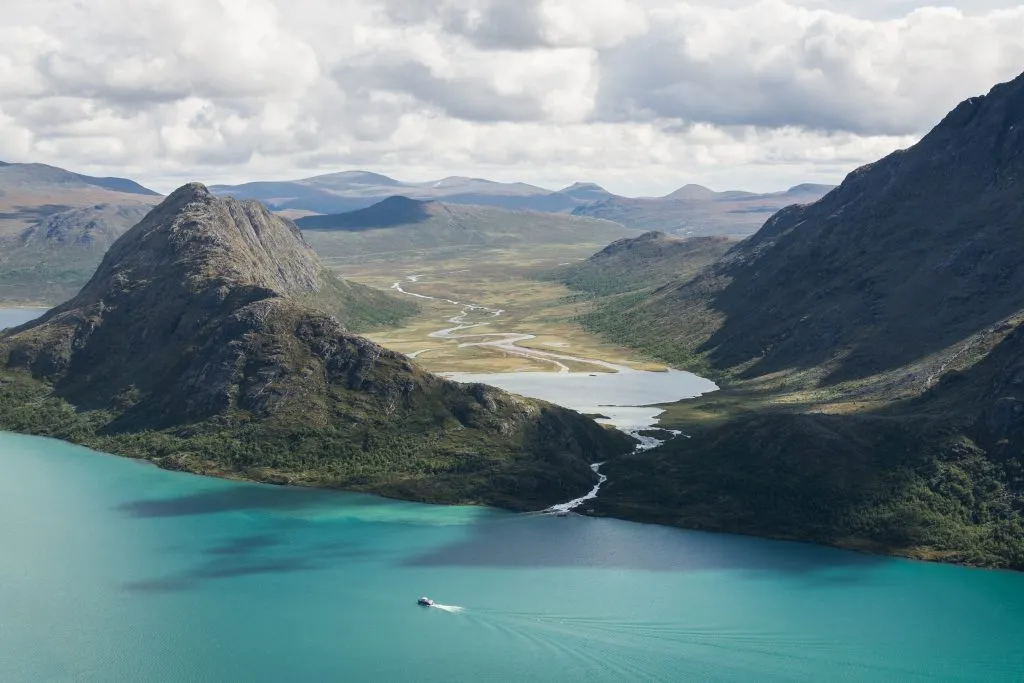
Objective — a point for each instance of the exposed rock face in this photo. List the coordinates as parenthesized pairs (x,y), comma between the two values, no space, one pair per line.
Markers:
(210,317)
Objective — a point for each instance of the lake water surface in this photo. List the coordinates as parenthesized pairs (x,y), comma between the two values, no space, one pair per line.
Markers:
(114,570)
(12,317)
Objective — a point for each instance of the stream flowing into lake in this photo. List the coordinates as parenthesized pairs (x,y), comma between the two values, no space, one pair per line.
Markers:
(615,394)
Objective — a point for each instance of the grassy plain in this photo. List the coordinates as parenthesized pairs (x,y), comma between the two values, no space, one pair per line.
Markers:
(508,279)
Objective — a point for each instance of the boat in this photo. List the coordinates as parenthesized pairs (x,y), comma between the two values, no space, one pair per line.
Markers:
(426,602)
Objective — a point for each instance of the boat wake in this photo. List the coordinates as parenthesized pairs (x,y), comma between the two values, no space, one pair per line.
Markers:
(454,609)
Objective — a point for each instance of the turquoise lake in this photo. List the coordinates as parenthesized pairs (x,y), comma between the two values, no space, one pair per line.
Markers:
(114,570)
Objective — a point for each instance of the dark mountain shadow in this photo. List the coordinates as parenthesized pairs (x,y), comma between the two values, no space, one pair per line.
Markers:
(391,212)
(256,555)
(236,498)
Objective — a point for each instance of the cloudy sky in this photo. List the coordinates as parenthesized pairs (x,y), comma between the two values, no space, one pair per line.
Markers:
(639,95)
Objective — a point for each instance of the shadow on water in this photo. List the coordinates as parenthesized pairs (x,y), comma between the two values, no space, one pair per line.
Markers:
(505,541)
(546,541)
(234,499)
(259,554)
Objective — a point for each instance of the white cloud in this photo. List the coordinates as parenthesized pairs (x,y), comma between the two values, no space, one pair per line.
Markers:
(642,95)
(773,64)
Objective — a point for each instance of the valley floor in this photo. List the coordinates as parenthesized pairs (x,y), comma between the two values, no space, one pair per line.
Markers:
(535,314)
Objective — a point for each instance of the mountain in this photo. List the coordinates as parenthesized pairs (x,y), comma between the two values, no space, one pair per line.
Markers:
(31,192)
(353,190)
(693,193)
(50,261)
(696,210)
(586,192)
(36,177)
(637,263)
(872,349)
(390,213)
(399,224)
(211,339)
(55,226)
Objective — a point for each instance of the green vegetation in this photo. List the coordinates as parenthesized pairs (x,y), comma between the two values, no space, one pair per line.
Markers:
(203,343)
(912,486)
(361,307)
(428,453)
(642,263)
(617,282)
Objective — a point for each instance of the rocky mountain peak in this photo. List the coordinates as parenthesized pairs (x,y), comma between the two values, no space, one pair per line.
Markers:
(196,240)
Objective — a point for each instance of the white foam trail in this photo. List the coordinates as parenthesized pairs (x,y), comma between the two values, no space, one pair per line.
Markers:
(454,609)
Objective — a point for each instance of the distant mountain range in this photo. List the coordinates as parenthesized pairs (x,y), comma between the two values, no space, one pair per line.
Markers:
(31,192)
(351,190)
(55,226)
(694,210)
(51,260)
(690,210)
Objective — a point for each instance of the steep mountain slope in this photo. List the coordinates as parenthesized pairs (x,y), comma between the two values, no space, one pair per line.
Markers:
(211,339)
(696,210)
(909,256)
(31,192)
(874,347)
(50,261)
(400,224)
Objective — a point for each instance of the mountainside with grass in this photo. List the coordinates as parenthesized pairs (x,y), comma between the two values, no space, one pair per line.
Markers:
(399,224)
(211,339)
(871,349)
(636,263)
(694,210)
